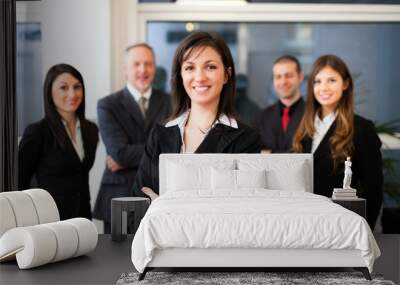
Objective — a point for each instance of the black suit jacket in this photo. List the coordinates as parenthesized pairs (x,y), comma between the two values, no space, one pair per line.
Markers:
(268,123)
(221,139)
(367,175)
(58,170)
(124,132)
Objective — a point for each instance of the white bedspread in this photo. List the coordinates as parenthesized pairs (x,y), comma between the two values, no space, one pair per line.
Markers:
(253,218)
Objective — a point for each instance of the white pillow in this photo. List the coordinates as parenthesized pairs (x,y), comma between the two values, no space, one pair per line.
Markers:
(182,177)
(287,179)
(188,174)
(223,179)
(282,174)
(236,179)
(251,178)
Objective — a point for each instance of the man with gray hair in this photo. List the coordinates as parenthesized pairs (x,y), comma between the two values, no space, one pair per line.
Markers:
(125,120)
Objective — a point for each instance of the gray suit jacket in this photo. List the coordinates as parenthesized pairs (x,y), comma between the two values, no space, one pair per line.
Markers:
(124,132)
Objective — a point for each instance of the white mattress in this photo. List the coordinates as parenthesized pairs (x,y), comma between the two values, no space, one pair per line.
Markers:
(252,218)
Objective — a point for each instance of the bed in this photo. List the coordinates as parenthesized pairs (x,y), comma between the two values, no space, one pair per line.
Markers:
(247,210)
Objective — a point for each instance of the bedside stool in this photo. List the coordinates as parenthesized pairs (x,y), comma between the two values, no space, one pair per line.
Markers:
(357,205)
(120,209)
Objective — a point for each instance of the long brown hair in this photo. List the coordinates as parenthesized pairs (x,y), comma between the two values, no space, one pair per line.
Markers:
(180,99)
(341,143)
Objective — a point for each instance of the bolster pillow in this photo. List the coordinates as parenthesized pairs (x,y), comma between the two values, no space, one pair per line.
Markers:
(26,208)
(31,231)
(40,244)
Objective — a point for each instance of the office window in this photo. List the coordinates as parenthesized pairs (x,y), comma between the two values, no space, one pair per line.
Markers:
(29,75)
(369,49)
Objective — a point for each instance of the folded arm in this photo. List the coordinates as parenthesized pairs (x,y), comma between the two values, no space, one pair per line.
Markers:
(123,153)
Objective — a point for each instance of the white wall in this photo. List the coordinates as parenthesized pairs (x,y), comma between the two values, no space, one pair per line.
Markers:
(78,33)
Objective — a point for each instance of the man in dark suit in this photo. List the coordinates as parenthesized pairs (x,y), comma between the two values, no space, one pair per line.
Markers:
(125,120)
(277,123)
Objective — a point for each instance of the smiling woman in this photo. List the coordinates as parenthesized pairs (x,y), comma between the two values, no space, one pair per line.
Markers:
(332,131)
(203,76)
(328,89)
(59,150)
(67,93)
(202,121)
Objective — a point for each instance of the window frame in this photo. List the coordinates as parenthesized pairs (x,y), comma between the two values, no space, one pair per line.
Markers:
(235,11)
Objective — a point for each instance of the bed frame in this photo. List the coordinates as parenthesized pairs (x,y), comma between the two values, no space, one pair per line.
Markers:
(242,259)
(246,258)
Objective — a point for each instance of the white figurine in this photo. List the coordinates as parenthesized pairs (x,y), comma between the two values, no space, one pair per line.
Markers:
(347,174)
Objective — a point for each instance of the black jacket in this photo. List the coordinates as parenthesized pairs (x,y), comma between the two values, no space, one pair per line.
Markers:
(124,132)
(367,175)
(268,123)
(221,139)
(58,170)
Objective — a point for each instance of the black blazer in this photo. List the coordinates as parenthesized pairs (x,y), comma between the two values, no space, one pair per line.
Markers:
(268,123)
(124,132)
(58,170)
(367,175)
(221,139)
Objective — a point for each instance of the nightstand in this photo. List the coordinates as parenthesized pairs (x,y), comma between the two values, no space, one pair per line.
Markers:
(357,205)
(122,210)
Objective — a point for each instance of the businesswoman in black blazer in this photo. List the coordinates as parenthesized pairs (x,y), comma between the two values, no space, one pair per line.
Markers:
(202,121)
(332,131)
(60,149)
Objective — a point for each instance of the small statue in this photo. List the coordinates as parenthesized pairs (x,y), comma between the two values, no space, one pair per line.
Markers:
(347,174)
(345,193)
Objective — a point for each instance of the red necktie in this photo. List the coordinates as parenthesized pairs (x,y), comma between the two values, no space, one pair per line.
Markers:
(285,118)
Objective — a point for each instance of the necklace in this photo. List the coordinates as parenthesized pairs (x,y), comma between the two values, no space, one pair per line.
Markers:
(204,131)
(196,127)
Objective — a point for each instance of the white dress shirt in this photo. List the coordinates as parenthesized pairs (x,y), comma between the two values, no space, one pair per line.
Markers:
(182,120)
(321,128)
(137,95)
(78,143)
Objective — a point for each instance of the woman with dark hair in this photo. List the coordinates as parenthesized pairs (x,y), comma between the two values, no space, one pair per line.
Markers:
(332,132)
(202,121)
(59,150)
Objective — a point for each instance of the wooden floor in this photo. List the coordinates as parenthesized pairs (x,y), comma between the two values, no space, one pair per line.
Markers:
(106,264)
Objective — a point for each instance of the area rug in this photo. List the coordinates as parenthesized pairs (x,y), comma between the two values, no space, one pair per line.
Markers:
(243,278)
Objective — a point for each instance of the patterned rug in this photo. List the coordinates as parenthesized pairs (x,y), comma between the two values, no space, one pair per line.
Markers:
(230,278)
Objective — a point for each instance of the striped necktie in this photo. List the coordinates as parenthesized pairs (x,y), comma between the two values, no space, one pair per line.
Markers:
(142,105)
